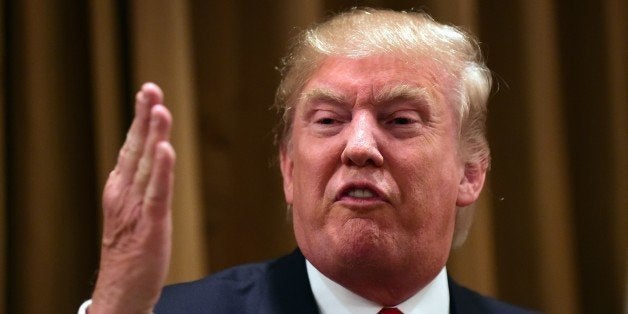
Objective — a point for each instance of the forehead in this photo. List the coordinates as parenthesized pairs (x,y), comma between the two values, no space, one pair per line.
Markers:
(373,75)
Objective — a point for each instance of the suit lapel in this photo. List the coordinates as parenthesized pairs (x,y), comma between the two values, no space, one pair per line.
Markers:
(462,300)
(289,286)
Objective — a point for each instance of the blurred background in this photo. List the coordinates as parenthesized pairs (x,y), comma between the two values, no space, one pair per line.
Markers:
(550,229)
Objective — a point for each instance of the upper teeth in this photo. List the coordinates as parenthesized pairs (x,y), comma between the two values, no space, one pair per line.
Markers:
(360,193)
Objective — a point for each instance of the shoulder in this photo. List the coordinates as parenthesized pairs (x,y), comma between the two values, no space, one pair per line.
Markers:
(274,286)
(463,301)
(231,290)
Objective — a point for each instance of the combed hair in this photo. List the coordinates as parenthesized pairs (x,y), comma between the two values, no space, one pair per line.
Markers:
(415,36)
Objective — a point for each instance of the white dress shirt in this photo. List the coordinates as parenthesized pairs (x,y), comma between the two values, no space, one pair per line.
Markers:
(334,298)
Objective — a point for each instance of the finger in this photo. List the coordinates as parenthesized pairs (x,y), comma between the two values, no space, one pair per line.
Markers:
(159,130)
(128,158)
(158,197)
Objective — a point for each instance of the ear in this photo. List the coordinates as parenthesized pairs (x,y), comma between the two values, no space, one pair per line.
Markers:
(471,183)
(286,164)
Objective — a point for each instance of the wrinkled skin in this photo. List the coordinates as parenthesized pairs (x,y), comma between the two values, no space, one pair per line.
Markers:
(373,173)
(137,198)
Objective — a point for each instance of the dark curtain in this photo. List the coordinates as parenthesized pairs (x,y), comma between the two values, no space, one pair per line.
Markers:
(550,228)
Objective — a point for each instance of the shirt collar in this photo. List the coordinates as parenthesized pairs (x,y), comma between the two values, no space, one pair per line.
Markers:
(334,298)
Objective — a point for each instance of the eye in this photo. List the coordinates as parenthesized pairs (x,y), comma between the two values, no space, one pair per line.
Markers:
(404,123)
(326,121)
(402,120)
(325,118)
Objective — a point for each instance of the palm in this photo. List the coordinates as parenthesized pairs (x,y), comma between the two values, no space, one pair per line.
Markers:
(136,208)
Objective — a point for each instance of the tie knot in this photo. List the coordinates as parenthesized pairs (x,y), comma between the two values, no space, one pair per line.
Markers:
(389,310)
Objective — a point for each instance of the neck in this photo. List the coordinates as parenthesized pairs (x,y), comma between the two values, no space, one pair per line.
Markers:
(388,288)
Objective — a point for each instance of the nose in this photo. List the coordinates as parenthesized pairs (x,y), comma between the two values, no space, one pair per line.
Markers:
(362,148)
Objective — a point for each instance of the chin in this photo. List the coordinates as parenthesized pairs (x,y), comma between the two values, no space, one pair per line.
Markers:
(361,242)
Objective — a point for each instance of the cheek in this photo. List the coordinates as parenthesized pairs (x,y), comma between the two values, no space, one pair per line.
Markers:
(428,188)
(308,178)
(316,159)
(314,165)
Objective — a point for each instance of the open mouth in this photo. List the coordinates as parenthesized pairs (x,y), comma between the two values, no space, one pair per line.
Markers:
(360,192)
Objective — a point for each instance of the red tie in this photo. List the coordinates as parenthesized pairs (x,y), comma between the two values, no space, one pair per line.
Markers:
(389,310)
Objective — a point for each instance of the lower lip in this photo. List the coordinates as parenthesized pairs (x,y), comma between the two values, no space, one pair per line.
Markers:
(360,202)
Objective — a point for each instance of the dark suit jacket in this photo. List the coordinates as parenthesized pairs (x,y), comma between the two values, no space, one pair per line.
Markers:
(282,286)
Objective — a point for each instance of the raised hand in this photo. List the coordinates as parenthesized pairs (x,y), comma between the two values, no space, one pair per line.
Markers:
(137,227)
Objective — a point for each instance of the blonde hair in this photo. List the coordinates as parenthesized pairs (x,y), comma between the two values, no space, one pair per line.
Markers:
(416,36)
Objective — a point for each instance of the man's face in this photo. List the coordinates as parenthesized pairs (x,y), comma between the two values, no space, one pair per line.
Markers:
(372,167)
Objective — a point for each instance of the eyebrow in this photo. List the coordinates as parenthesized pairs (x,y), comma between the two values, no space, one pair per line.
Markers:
(395,93)
(403,92)
(323,95)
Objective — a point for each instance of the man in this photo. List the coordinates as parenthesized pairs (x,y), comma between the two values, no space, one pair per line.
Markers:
(382,147)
